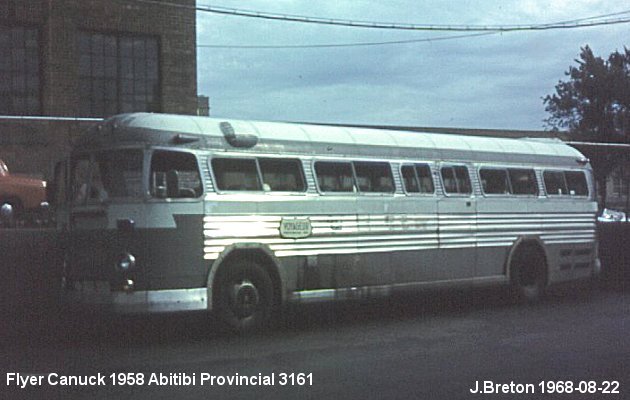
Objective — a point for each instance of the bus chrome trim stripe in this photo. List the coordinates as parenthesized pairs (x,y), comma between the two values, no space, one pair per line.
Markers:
(321,239)
(347,234)
(480,218)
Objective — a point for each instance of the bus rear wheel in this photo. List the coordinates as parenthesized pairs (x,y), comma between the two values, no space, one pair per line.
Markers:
(244,297)
(528,274)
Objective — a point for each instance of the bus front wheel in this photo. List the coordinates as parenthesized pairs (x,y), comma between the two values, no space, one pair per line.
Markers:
(244,296)
(528,274)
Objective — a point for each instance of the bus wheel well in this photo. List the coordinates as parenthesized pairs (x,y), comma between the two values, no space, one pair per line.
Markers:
(528,271)
(259,257)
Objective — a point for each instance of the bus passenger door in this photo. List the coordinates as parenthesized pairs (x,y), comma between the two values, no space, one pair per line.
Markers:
(456,226)
(106,188)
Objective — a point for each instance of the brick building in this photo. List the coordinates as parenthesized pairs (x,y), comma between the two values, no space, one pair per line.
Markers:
(93,58)
(88,59)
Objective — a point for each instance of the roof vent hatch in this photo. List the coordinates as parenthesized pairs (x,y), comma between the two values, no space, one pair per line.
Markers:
(241,140)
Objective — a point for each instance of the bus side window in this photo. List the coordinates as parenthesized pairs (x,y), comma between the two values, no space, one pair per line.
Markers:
(334,176)
(576,183)
(174,175)
(456,180)
(417,178)
(426,180)
(236,174)
(410,179)
(448,178)
(523,181)
(555,183)
(374,177)
(494,181)
(463,180)
(282,175)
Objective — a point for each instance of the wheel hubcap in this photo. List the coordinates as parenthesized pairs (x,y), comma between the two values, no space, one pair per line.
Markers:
(244,298)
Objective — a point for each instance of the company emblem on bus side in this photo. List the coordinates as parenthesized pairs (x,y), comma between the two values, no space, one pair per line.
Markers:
(295,228)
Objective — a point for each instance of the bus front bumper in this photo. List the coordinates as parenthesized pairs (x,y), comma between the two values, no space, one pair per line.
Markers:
(97,295)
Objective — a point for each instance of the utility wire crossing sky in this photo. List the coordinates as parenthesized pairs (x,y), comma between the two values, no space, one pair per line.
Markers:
(360,70)
(583,22)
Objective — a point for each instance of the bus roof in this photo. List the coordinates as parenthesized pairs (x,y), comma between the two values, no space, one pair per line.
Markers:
(204,132)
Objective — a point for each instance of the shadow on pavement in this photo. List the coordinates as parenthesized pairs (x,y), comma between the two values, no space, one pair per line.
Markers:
(54,328)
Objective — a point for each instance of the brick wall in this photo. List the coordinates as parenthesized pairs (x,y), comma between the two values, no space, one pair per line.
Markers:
(59,21)
(33,146)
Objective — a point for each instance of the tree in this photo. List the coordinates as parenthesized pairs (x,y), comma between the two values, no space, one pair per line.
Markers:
(595,101)
(594,104)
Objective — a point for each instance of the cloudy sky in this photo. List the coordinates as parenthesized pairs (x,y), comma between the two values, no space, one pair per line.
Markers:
(494,81)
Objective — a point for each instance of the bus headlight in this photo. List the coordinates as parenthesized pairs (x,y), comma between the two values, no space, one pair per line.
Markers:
(126,263)
(128,285)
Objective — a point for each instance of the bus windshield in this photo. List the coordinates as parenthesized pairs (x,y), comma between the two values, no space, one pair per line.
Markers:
(106,175)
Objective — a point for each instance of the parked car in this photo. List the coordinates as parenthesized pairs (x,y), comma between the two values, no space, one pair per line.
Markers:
(20,196)
(608,215)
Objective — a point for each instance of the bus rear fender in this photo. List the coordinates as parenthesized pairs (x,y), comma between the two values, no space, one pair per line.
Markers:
(258,253)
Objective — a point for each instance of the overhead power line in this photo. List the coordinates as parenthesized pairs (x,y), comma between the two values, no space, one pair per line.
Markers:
(355,44)
(394,25)
(595,17)
(384,43)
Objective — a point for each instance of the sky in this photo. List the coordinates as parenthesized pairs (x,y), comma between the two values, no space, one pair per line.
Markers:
(495,81)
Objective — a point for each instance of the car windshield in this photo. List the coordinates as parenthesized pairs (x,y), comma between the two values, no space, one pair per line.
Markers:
(107,175)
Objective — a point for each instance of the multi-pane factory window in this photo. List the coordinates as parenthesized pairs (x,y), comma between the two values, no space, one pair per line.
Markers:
(118,74)
(19,71)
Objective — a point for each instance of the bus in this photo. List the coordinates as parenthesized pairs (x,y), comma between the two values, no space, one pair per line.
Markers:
(166,213)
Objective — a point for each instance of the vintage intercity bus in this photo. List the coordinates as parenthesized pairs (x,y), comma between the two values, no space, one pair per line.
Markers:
(166,213)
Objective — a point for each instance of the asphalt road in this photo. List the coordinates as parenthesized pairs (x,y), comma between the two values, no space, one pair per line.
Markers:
(431,346)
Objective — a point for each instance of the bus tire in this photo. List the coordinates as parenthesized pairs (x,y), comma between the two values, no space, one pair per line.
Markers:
(528,273)
(244,296)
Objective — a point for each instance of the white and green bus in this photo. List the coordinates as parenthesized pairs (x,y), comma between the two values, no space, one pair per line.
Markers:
(169,213)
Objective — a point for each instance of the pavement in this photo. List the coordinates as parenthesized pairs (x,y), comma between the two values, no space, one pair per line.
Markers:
(433,345)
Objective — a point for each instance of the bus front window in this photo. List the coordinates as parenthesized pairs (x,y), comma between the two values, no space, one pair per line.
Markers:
(80,180)
(107,175)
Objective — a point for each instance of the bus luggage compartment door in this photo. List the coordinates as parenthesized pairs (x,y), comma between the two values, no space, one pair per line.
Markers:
(457,241)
